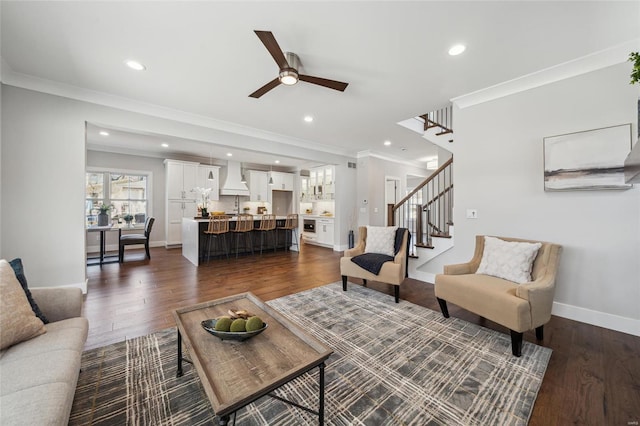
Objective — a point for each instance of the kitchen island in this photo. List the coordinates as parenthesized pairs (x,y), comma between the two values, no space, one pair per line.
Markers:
(194,239)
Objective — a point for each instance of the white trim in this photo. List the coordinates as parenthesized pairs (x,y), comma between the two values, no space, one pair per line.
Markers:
(368,153)
(604,58)
(600,319)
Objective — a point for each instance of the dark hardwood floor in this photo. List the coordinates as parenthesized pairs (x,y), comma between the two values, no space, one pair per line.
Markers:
(593,377)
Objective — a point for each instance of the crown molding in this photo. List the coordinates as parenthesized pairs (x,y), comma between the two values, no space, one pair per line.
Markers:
(583,65)
(25,81)
(369,153)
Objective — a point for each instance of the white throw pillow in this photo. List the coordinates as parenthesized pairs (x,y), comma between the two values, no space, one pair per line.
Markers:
(511,260)
(381,239)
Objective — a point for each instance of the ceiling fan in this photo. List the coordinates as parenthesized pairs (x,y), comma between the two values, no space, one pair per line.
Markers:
(289,64)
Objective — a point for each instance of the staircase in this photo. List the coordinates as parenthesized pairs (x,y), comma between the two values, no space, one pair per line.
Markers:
(427,211)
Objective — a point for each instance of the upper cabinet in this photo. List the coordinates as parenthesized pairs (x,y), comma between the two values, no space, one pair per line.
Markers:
(180,179)
(259,186)
(204,182)
(319,185)
(282,181)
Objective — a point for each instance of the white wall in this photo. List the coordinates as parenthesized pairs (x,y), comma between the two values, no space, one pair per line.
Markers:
(43,166)
(372,173)
(498,170)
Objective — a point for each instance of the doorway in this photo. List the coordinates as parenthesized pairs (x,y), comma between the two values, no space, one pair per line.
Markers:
(391,194)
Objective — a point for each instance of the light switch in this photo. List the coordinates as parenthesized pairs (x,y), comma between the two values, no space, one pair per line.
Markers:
(472,214)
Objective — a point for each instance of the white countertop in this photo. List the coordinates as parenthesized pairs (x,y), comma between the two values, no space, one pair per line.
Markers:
(233,218)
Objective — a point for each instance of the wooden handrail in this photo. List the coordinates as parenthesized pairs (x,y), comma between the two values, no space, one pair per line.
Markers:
(431,201)
(425,182)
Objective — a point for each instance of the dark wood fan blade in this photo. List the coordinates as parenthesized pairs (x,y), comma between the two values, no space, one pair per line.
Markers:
(264,89)
(269,41)
(331,84)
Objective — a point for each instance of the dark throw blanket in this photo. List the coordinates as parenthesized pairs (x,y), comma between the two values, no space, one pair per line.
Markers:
(373,262)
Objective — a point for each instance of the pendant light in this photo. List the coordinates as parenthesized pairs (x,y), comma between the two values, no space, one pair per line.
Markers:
(210,177)
(270,176)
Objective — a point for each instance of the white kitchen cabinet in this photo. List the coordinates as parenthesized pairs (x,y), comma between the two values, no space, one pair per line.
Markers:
(259,186)
(180,201)
(282,181)
(324,231)
(204,182)
(176,210)
(180,179)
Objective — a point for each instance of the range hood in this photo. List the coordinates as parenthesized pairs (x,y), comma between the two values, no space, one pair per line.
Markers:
(232,184)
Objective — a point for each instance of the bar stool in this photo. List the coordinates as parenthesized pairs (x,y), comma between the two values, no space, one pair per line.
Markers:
(291,229)
(218,230)
(267,225)
(244,225)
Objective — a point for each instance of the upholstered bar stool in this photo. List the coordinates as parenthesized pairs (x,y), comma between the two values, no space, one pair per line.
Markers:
(244,226)
(267,226)
(291,229)
(218,230)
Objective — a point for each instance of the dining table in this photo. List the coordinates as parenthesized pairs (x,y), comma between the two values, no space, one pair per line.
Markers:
(103,257)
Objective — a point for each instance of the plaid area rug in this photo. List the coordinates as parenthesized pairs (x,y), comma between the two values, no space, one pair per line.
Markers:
(393,364)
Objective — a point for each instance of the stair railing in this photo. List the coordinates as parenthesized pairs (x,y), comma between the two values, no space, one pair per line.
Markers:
(427,211)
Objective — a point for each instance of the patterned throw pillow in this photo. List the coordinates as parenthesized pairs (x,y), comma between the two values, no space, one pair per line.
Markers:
(17,321)
(381,239)
(510,260)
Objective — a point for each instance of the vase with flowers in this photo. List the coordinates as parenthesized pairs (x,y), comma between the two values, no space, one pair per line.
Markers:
(103,215)
(204,195)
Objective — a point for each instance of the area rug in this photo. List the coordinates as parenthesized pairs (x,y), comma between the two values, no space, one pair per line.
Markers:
(393,364)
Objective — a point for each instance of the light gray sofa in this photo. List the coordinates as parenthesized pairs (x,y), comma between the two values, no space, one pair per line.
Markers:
(38,377)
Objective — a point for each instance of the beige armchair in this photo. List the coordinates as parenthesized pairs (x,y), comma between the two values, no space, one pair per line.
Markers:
(392,272)
(519,307)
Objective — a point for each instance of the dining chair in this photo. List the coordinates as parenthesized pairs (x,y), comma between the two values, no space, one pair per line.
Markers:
(136,239)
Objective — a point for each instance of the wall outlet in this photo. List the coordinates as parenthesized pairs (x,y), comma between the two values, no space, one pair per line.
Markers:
(375,210)
(472,214)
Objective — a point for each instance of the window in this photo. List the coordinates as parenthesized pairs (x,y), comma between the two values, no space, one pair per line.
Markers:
(126,192)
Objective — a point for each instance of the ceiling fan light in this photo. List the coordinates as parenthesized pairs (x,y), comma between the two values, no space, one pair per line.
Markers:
(288,77)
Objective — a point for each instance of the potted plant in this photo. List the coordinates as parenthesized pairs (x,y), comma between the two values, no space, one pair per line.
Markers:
(128,218)
(635,74)
(103,216)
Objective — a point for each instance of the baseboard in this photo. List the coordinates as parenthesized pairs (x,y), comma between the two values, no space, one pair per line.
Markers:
(600,319)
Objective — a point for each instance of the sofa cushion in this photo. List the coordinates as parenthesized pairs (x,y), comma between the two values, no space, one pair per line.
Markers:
(490,297)
(510,260)
(18,269)
(381,239)
(41,405)
(69,334)
(17,320)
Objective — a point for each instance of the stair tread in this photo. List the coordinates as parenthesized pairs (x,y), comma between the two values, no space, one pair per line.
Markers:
(437,235)
(423,245)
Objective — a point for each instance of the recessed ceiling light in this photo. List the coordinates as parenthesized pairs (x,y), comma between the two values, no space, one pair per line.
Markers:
(135,65)
(457,49)
(104,133)
(165,145)
(387,143)
(277,161)
(308,118)
(229,154)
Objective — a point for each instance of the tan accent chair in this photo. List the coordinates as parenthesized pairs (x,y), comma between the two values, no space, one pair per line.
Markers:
(519,307)
(391,273)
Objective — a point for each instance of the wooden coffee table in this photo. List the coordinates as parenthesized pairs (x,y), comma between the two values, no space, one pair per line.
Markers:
(234,374)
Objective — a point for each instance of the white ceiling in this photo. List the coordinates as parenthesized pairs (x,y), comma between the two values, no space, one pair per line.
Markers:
(204,59)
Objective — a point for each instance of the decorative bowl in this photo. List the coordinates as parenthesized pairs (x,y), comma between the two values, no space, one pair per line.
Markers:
(239,336)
